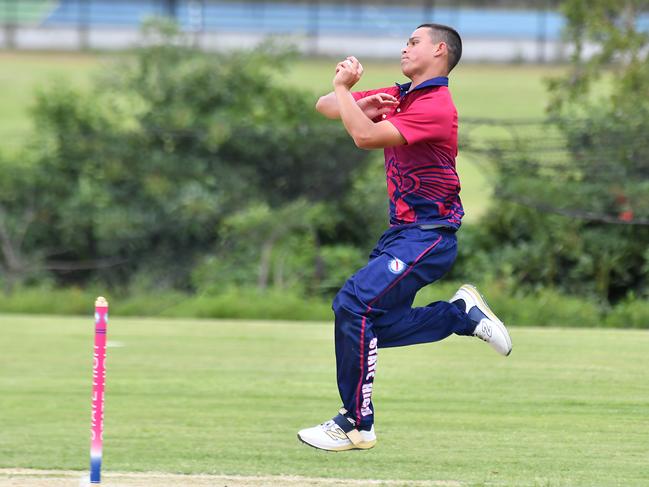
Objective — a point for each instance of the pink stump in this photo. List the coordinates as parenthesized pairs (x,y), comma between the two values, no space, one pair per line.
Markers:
(98,386)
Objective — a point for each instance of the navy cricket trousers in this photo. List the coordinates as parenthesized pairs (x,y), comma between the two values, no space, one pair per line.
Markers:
(374,309)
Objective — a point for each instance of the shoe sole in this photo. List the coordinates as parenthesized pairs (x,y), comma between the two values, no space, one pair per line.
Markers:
(366,445)
(484,307)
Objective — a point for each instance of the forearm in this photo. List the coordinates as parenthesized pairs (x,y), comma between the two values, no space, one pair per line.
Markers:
(358,126)
(328,106)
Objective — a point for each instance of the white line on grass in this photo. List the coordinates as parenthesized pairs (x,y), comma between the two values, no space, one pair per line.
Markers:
(19,477)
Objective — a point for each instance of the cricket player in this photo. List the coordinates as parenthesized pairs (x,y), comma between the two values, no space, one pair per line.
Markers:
(416,125)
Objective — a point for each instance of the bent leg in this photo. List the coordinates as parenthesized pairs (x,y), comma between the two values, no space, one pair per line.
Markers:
(382,292)
(430,323)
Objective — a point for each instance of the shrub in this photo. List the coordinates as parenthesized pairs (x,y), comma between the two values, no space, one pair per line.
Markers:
(138,173)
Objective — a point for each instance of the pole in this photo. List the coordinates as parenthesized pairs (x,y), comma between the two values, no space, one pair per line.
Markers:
(541,37)
(98,386)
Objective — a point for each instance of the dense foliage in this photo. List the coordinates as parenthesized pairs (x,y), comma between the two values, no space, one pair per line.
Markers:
(573,197)
(172,157)
(180,172)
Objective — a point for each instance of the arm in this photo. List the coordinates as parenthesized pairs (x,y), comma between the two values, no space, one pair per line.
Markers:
(328,106)
(372,105)
(366,134)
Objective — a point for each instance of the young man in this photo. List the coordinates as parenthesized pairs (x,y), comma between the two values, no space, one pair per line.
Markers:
(416,125)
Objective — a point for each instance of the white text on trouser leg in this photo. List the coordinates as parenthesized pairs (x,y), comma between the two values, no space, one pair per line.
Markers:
(367,386)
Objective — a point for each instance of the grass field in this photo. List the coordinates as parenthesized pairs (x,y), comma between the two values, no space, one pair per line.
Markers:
(491,91)
(500,91)
(568,408)
(479,90)
(22,73)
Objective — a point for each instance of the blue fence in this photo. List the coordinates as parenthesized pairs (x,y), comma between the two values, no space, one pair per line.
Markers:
(312,18)
(321,27)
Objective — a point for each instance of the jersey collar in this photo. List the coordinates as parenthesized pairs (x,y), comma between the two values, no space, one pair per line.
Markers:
(438,81)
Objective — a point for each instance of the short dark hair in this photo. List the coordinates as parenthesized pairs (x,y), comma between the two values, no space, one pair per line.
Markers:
(448,35)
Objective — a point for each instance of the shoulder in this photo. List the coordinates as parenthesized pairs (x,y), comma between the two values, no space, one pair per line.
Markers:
(435,102)
(440,94)
(390,90)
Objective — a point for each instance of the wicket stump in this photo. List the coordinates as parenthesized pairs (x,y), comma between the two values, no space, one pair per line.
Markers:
(98,389)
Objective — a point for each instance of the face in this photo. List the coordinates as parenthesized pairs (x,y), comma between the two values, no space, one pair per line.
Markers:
(420,52)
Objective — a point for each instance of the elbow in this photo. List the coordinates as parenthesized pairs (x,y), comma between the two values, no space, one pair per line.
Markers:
(365,137)
(319,104)
(363,141)
(323,106)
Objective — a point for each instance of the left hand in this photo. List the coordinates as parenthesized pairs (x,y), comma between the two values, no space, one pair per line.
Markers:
(376,105)
(348,72)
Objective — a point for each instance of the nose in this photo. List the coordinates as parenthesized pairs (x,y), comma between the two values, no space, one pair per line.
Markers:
(404,50)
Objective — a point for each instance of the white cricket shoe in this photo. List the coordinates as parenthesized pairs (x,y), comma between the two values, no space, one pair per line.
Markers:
(330,436)
(489,328)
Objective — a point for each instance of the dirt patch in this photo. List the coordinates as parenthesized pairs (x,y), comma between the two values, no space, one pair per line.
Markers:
(66,478)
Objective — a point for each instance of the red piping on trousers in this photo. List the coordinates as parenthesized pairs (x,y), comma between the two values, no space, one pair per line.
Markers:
(369,308)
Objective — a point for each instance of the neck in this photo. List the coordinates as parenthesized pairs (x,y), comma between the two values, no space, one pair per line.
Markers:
(418,79)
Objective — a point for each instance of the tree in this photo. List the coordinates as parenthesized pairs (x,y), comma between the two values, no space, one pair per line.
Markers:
(19,210)
(141,170)
(589,164)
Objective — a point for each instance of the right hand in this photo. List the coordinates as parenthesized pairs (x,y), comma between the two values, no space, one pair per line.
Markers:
(348,72)
(376,105)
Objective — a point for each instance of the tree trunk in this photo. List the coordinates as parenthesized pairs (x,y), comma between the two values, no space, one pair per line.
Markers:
(10,247)
(265,259)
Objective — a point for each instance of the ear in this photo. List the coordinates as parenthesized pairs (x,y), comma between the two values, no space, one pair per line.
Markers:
(441,49)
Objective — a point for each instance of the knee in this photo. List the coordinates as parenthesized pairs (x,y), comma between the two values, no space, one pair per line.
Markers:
(340,302)
(347,302)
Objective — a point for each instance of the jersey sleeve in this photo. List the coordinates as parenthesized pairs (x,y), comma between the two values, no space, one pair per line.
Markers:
(430,119)
(364,94)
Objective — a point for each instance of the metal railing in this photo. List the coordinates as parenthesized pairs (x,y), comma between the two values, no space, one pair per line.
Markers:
(515,21)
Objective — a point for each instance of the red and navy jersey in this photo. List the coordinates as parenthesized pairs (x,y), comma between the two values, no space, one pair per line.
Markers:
(423,184)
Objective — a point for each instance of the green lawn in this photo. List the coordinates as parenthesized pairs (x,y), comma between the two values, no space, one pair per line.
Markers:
(479,90)
(492,91)
(568,408)
(501,91)
(22,74)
